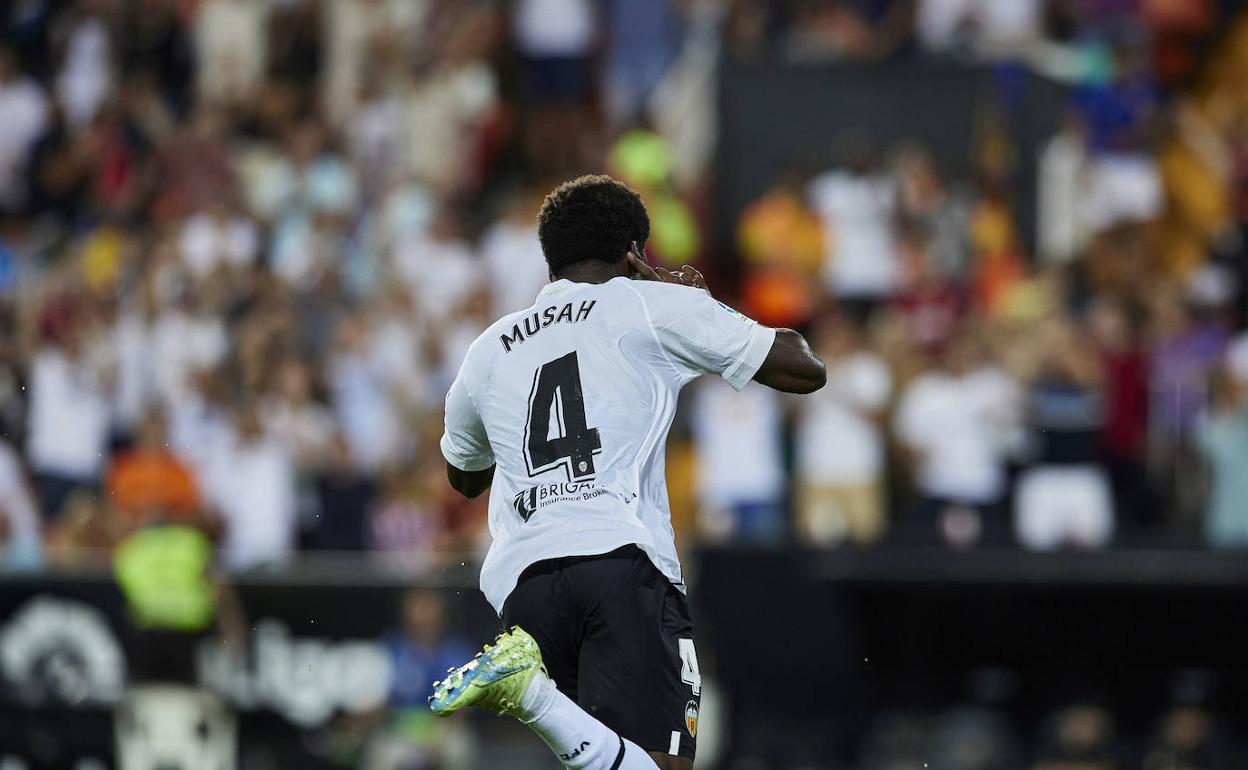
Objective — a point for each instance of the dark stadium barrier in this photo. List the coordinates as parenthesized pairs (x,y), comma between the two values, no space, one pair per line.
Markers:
(836,637)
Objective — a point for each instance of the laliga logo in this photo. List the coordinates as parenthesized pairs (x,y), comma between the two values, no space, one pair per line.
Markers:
(64,650)
(306,679)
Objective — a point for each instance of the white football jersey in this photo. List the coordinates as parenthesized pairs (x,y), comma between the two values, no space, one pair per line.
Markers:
(572,399)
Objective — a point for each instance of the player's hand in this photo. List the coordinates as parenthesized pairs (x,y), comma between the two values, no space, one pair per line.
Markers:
(691,276)
(686,275)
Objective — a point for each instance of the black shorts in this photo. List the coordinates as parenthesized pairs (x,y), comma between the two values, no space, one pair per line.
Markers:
(617,638)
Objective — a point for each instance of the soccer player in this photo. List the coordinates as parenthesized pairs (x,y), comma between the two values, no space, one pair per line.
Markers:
(562,410)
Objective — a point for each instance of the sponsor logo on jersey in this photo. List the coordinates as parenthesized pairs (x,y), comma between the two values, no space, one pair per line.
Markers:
(691,718)
(528,501)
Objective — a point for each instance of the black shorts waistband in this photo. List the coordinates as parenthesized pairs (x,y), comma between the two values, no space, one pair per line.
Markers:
(547,566)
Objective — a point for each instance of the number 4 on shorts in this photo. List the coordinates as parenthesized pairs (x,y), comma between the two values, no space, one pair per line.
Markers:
(689,673)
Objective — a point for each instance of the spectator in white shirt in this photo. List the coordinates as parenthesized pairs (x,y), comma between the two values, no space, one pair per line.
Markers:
(20,546)
(441,268)
(252,485)
(990,27)
(218,237)
(354,34)
(556,37)
(513,256)
(86,76)
(857,204)
(1237,359)
(131,340)
(954,420)
(1222,437)
(187,339)
(740,476)
(840,453)
(444,114)
(304,426)
(200,424)
(359,383)
(556,41)
(68,419)
(231,48)
(1064,497)
(372,138)
(24,106)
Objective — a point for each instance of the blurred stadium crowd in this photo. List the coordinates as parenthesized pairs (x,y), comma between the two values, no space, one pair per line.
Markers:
(245,244)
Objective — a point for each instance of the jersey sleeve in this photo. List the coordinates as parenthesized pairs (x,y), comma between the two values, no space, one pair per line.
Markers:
(464,442)
(703,336)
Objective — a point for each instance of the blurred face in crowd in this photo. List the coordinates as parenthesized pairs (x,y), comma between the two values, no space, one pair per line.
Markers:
(1082,728)
(917,180)
(152,433)
(305,143)
(1054,333)
(1225,393)
(293,381)
(8,65)
(837,337)
(1186,727)
(424,615)
(209,124)
(1170,315)
(962,354)
(1108,323)
(250,428)
(915,252)
(70,337)
(340,461)
(351,334)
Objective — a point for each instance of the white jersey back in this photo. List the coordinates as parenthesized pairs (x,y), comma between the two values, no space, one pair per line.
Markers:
(572,399)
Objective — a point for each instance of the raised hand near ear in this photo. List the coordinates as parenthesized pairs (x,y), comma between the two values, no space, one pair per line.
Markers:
(686,276)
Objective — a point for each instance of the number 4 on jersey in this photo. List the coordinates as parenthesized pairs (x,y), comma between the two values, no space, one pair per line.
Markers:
(557,387)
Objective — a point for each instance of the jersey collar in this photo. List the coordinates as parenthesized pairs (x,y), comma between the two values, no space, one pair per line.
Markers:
(555,287)
(563,284)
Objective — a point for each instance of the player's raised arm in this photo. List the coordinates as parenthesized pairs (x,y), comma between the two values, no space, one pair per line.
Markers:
(705,341)
(791,366)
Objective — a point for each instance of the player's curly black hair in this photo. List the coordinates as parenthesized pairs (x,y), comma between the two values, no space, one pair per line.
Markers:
(590,217)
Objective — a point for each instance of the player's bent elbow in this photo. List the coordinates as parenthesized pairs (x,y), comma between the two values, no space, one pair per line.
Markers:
(469,483)
(805,378)
(791,366)
(814,378)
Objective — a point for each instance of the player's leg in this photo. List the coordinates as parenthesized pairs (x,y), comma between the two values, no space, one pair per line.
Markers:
(541,604)
(578,739)
(668,762)
(532,675)
(508,678)
(638,670)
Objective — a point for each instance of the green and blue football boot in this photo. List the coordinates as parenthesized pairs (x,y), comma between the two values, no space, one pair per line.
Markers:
(496,679)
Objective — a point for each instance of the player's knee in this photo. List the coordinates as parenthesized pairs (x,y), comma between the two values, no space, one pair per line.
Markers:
(668,762)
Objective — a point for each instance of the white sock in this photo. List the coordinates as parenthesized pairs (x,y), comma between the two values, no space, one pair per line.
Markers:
(578,740)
